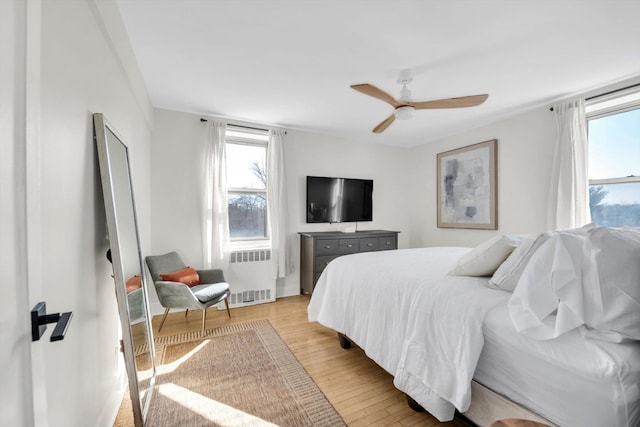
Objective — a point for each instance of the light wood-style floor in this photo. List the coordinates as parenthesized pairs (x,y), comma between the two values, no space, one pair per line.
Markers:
(361,391)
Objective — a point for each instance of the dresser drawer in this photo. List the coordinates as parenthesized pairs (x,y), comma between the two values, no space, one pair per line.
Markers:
(385,243)
(326,246)
(349,246)
(369,244)
(323,261)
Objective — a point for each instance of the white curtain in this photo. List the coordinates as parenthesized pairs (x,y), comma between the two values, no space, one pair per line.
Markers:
(216,220)
(277,205)
(569,192)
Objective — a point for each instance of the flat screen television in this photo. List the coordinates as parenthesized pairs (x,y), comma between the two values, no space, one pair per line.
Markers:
(339,199)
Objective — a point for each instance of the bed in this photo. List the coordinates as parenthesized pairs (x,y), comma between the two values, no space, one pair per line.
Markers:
(459,330)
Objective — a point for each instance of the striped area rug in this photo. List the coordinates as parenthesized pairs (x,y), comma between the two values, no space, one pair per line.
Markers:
(238,375)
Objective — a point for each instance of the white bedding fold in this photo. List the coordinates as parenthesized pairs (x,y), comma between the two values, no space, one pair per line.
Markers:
(444,342)
(385,301)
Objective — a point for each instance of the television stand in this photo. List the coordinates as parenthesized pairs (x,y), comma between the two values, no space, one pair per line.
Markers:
(318,249)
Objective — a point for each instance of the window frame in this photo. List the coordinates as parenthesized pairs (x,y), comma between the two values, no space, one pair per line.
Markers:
(607,105)
(261,140)
(616,108)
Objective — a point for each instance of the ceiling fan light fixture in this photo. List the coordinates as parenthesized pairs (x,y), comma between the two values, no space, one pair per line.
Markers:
(404,113)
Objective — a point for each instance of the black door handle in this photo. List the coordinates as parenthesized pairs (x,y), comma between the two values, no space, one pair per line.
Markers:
(40,319)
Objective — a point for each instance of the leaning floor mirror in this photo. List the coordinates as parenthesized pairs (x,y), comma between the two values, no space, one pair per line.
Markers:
(126,258)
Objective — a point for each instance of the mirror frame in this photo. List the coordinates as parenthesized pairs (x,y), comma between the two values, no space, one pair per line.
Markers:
(140,408)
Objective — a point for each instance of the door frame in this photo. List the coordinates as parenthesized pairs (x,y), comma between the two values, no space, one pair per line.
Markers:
(22,361)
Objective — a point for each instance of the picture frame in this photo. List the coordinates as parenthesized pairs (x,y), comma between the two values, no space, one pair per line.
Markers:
(467,187)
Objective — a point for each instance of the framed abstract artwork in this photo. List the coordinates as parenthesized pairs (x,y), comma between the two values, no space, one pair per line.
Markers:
(467,181)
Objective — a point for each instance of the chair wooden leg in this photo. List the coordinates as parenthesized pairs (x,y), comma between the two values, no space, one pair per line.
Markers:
(204,317)
(164,317)
(226,302)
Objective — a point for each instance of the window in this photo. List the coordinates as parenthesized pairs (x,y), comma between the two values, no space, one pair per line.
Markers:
(614,158)
(247,183)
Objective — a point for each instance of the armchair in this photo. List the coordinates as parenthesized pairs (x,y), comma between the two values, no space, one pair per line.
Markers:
(211,290)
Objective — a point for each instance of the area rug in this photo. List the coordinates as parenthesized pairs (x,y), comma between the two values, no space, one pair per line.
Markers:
(238,375)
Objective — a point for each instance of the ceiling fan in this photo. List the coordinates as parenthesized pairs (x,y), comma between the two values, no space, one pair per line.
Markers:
(404,107)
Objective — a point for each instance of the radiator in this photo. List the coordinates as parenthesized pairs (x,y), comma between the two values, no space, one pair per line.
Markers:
(250,256)
(249,278)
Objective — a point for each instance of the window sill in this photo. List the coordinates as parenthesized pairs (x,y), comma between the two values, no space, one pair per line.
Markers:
(249,245)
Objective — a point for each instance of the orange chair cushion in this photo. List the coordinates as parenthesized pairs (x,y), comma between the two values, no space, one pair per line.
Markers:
(187,275)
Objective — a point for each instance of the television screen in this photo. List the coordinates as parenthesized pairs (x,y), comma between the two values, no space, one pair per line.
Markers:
(339,199)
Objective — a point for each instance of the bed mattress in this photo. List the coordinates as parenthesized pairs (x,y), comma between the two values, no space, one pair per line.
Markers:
(570,381)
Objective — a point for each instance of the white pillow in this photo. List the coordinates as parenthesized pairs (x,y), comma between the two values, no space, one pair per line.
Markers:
(500,279)
(485,258)
(612,284)
(548,299)
(507,275)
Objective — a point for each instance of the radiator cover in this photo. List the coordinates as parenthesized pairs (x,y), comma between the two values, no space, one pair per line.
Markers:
(249,278)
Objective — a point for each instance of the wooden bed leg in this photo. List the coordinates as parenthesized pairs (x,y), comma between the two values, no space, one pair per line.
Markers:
(344,341)
(413,404)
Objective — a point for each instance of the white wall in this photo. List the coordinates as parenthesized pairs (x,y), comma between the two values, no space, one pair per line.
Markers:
(313,154)
(177,168)
(176,185)
(525,151)
(81,73)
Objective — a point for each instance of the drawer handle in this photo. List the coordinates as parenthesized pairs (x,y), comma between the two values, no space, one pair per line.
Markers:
(327,247)
(349,245)
(387,243)
(369,244)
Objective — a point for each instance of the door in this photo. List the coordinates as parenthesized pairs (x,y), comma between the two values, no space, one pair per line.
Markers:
(23,396)
(16,388)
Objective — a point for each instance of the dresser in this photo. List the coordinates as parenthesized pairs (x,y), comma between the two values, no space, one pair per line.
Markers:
(317,250)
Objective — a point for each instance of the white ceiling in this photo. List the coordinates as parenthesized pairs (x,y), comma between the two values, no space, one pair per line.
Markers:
(290,62)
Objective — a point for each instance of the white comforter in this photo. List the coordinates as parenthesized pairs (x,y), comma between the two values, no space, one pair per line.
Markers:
(420,325)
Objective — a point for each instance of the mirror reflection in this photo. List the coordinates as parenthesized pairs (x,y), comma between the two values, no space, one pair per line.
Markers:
(126,258)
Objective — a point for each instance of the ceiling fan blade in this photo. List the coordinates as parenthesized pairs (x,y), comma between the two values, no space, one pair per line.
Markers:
(463,101)
(371,90)
(384,124)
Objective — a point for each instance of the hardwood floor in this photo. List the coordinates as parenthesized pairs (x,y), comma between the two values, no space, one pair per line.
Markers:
(361,391)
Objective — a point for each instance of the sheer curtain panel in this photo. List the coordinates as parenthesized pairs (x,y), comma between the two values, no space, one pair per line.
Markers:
(569,191)
(277,205)
(216,220)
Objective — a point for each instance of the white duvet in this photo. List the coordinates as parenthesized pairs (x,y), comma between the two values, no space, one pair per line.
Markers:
(420,325)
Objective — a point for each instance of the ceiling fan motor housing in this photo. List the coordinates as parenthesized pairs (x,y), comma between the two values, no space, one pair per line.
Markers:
(404,113)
